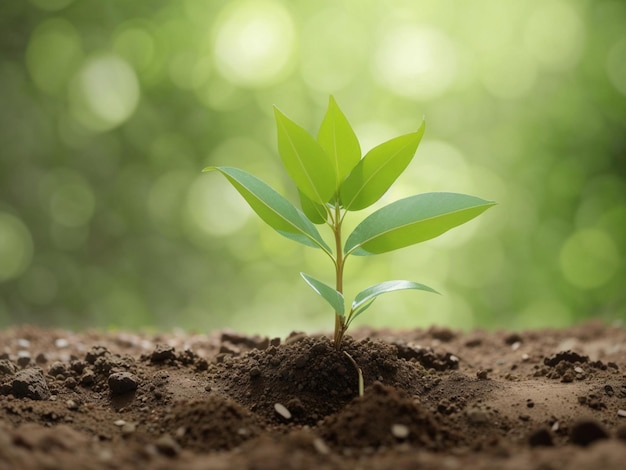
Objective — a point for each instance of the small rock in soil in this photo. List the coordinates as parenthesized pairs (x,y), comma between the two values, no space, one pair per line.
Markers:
(541,438)
(587,432)
(512,339)
(166,445)
(123,382)
(282,410)
(30,383)
(400,431)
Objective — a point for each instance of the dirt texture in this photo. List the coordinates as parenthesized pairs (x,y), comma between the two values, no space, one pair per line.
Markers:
(433,399)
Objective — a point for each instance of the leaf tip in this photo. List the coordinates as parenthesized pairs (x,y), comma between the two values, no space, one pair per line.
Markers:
(277,112)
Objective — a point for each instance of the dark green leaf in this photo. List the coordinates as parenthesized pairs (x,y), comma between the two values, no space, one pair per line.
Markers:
(413,220)
(378,170)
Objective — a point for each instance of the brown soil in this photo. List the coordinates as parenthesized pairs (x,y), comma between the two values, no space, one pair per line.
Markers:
(434,399)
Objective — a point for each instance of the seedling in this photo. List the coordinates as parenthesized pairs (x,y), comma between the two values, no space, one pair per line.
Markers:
(334,181)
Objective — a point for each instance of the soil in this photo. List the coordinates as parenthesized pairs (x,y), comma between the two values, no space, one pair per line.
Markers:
(433,399)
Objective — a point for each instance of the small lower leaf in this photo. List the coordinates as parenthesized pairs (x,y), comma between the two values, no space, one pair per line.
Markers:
(330,295)
(364,299)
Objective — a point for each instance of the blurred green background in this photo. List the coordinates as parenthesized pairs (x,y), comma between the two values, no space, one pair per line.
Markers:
(110,109)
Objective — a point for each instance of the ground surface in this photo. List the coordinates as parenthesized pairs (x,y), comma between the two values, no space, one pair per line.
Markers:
(434,399)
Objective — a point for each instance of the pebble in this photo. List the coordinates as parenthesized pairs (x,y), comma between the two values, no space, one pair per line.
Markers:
(282,410)
(128,429)
(61,343)
(621,413)
(122,382)
(23,343)
(320,446)
(71,405)
(400,431)
(166,445)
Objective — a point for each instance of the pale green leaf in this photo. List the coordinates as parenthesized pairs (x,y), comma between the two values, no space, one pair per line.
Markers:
(332,296)
(377,171)
(338,139)
(305,160)
(413,220)
(273,208)
(315,212)
(365,298)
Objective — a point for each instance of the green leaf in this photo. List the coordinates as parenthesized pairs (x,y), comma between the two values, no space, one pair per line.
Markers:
(366,297)
(315,212)
(338,139)
(378,170)
(332,296)
(273,208)
(413,220)
(305,160)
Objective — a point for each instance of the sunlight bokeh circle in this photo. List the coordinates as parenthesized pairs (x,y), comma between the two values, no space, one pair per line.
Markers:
(416,62)
(589,258)
(16,247)
(106,92)
(254,43)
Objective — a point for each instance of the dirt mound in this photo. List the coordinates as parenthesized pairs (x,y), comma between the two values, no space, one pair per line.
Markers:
(309,377)
(386,417)
(213,423)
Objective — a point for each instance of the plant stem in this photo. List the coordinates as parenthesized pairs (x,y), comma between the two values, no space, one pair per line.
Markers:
(339,262)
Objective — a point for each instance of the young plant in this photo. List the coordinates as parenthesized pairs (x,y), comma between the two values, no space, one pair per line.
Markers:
(334,181)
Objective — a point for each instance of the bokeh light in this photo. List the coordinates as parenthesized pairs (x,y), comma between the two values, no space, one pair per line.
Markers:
(110,110)
(589,258)
(105,92)
(16,247)
(254,42)
(415,61)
